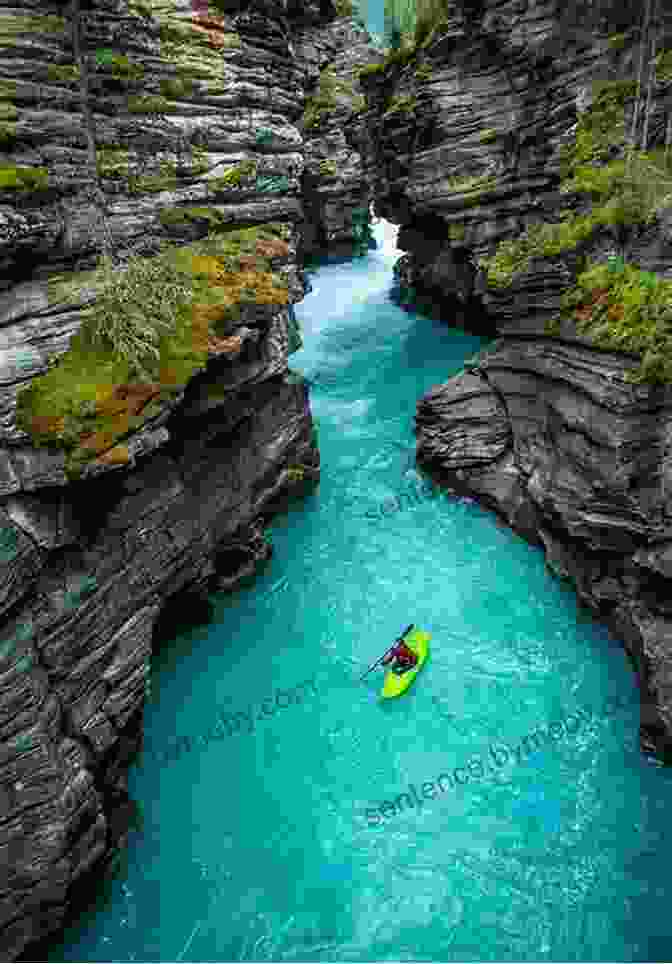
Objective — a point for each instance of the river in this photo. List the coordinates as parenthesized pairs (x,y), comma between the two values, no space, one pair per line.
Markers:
(292,832)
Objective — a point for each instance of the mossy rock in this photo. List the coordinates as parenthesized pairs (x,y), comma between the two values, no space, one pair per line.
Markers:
(327,168)
(8,111)
(233,176)
(424,71)
(63,73)
(13,178)
(13,26)
(402,104)
(164,180)
(121,67)
(92,398)
(617,41)
(664,66)
(112,162)
(621,308)
(7,135)
(151,104)
(177,88)
(369,70)
(488,135)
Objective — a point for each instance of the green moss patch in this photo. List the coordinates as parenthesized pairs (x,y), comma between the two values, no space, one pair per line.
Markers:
(13,26)
(325,99)
(112,162)
(119,65)
(144,338)
(601,127)
(368,70)
(328,168)
(405,104)
(151,104)
(664,66)
(63,73)
(233,176)
(13,178)
(622,308)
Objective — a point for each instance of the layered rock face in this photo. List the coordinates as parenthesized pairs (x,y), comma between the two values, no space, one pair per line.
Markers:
(134,128)
(336,196)
(544,426)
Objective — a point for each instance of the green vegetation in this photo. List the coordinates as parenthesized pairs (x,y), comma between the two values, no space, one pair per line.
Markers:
(122,67)
(112,162)
(165,180)
(233,176)
(295,473)
(264,135)
(369,69)
(149,330)
(457,232)
(622,308)
(602,127)
(617,41)
(664,65)
(177,88)
(540,240)
(325,99)
(12,26)
(625,191)
(63,73)
(13,178)
(327,168)
(488,135)
(8,111)
(344,8)
(424,72)
(151,104)
(401,104)
(7,135)
(470,184)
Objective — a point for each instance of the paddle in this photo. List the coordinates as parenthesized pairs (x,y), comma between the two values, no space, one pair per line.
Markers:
(407,630)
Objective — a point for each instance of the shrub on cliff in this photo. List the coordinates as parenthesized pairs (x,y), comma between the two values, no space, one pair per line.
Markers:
(622,308)
(135,307)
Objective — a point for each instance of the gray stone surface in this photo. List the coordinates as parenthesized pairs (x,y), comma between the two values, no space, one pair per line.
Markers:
(89,568)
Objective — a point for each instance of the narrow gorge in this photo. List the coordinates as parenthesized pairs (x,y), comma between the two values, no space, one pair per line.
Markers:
(184,161)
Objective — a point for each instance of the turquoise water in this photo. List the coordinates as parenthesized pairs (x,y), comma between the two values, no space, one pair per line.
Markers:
(291,834)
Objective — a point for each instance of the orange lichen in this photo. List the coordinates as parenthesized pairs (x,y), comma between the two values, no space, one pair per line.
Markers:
(273,249)
(47,424)
(225,346)
(117,455)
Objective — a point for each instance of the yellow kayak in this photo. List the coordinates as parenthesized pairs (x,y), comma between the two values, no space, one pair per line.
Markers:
(396,684)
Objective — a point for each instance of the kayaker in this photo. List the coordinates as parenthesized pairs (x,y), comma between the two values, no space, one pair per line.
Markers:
(403,656)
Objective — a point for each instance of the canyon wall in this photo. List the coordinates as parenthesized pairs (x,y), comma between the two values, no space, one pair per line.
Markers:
(472,139)
(142,131)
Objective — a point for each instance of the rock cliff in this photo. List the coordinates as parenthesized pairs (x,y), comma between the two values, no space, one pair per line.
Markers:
(499,145)
(149,424)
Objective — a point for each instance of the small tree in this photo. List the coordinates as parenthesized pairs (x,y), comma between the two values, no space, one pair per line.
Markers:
(136,307)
